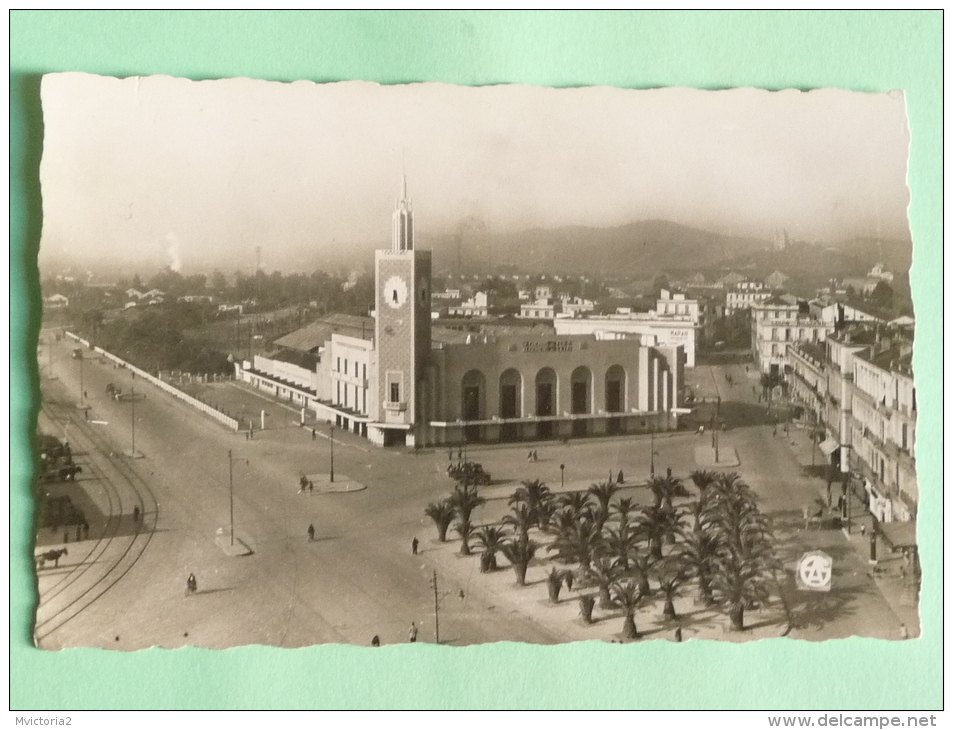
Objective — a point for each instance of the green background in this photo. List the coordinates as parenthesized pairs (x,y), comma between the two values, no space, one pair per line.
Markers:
(865,51)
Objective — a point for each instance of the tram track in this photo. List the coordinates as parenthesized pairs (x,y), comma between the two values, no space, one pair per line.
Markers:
(80,587)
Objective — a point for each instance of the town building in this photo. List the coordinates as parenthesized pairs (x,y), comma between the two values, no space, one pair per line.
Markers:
(399,380)
(744,295)
(777,323)
(857,388)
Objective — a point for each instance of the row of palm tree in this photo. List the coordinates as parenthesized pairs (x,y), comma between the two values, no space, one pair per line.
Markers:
(720,541)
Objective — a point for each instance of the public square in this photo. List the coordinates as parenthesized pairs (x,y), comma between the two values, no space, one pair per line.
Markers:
(123,585)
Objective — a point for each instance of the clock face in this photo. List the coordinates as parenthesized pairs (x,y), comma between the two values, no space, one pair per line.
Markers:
(395,292)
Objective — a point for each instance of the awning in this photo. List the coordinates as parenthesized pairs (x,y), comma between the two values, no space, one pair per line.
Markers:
(899,534)
(829,446)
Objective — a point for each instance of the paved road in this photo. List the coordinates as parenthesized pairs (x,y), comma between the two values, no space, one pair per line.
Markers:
(356,580)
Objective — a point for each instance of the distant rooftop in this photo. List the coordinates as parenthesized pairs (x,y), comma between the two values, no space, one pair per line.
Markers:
(314,335)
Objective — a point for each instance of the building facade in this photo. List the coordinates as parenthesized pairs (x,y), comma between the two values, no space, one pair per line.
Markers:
(391,380)
(776,324)
(858,388)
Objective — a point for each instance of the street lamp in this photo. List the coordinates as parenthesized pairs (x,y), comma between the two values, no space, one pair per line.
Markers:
(82,389)
(332,454)
(231,498)
(652,455)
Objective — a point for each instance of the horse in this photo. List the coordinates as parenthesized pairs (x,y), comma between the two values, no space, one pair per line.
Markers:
(54,555)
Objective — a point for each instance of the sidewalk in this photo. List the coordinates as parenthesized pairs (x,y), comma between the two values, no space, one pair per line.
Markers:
(897,590)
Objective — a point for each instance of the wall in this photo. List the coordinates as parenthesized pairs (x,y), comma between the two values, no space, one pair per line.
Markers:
(197,404)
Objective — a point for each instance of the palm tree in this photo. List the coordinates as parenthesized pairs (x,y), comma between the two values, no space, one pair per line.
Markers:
(602,573)
(744,563)
(623,508)
(628,596)
(465,499)
(672,572)
(533,494)
(659,526)
(577,503)
(464,528)
(578,544)
(620,544)
(490,538)
(521,519)
(519,553)
(664,489)
(703,478)
(603,492)
(442,513)
(544,514)
(698,550)
(641,563)
(554,582)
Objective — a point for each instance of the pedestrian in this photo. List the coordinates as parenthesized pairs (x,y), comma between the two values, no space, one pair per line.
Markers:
(191,584)
(460,455)
(85,529)
(668,472)
(529,456)
(79,532)
(610,476)
(302,484)
(863,530)
(412,634)
(450,455)
(314,434)
(678,634)
(619,478)
(311,532)
(135,513)
(376,641)
(310,487)
(66,536)
(904,634)
(535,455)
(414,544)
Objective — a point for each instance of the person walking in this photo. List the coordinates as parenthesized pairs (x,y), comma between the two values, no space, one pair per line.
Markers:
(376,641)
(412,634)
(619,478)
(311,532)
(191,584)
(678,634)
(310,487)
(314,434)
(904,634)
(414,544)
(135,513)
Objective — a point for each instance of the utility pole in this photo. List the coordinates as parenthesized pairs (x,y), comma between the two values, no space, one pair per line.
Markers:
(332,454)
(436,609)
(132,396)
(652,456)
(231,502)
(82,388)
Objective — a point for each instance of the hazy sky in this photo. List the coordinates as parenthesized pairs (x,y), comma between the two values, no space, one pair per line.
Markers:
(201,172)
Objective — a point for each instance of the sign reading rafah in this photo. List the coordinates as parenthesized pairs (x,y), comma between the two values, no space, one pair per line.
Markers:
(814,571)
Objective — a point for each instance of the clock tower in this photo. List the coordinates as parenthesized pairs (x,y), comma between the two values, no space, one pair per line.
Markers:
(402,284)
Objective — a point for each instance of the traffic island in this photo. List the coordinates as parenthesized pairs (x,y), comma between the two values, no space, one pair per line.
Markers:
(133,454)
(322,484)
(232,548)
(725,457)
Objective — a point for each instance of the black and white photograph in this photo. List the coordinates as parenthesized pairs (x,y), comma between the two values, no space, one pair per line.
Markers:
(358,364)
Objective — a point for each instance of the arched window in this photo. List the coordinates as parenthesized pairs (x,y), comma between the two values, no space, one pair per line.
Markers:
(615,389)
(511,394)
